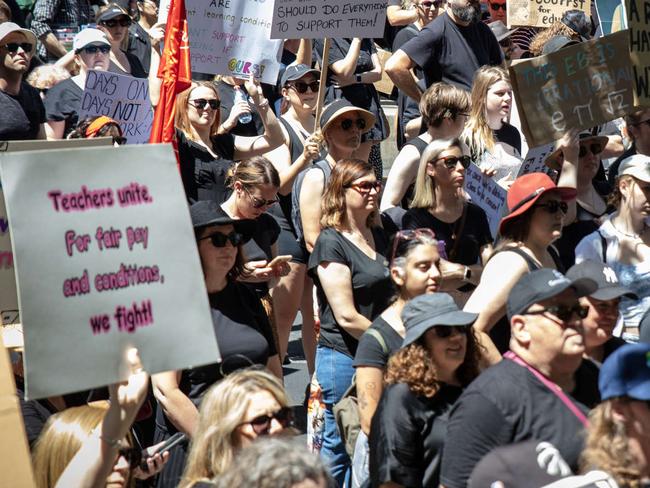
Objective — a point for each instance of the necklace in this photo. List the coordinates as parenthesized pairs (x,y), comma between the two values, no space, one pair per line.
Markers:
(626,234)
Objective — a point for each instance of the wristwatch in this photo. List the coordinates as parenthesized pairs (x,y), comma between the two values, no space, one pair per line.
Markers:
(358,78)
(467,275)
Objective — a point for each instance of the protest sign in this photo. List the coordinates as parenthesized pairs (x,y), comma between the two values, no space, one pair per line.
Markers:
(15,461)
(487,194)
(163,11)
(611,17)
(577,87)
(122,98)
(542,13)
(534,161)
(315,19)
(232,38)
(105,260)
(638,15)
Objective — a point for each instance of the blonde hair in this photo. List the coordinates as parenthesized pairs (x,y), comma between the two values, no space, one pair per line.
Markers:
(442,101)
(477,134)
(557,28)
(46,76)
(425,185)
(181,117)
(223,409)
(606,447)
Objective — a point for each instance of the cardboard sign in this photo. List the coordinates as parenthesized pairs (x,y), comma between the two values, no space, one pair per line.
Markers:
(611,17)
(542,13)
(122,98)
(232,38)
(105,260)
(316,19)
(579,87)
(163,11)
(534,161)
(638,15)
(487,194)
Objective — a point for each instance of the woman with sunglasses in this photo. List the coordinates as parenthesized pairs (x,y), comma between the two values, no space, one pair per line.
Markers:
(63,100)
(439,204)
(350,271)
(100,126)
(205,155)
(240,408)
(494,144)
(438,358)
(115,22)
(240,323)
(414,271)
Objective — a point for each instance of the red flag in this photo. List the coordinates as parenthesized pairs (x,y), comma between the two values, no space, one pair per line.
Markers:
(175,72)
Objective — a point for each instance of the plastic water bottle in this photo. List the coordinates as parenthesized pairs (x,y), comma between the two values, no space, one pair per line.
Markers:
(246,117)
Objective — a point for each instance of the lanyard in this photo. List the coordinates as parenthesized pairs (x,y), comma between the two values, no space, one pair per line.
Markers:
(556,390)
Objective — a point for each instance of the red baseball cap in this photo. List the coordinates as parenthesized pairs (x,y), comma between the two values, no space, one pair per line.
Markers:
(526,190)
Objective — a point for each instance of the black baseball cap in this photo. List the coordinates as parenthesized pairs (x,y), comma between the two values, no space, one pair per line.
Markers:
(295,72)
(541,285)
(208,212)
(112,12)
(432,310)
(604,276)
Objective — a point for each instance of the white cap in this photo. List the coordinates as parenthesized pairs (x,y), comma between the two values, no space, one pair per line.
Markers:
(636,165)
(8,27)
(89,36)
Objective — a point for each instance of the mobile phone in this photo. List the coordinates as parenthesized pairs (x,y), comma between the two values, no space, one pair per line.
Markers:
(173,441)
(279,259)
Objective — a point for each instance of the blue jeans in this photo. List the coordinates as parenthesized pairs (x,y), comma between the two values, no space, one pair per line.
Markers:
(334,372)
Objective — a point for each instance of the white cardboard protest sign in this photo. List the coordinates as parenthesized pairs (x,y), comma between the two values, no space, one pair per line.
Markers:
(163,11)
(542,13)
(316,19)
(105,260)
(534,161)
(122,98)
(232,38)
(487,194)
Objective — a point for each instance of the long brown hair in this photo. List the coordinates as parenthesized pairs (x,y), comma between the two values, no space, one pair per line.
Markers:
(253,172)
(182,119)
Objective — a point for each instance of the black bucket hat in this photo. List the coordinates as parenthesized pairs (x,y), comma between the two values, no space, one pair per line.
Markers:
(208,212)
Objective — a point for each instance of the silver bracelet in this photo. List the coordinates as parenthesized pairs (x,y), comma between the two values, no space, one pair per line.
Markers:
(111,442)
(264,103)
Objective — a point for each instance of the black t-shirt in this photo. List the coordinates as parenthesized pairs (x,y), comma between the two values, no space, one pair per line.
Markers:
(137,70)
(407,435)
(452,53)
(371,284)
(227,97)
(21,115)
(475,233)
(369,350)
(258,248)
(509,135)
(140,46)
(63,102)
(204,177)
(407,108)
(504,405)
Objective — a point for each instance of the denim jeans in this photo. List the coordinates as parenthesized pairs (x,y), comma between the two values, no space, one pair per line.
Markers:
(334,372)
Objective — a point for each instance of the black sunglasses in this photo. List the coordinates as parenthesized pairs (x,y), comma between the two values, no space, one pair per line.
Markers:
(435,4)
(594,148)
(497,6)
(12,47)
(119,140)
(346,124)
(451,161)
(301,86)
(447,330)
(96,49)
(262,424)
(200,103)
(553,206)
(124,22)
(260,202)
(219,240)
(562,312)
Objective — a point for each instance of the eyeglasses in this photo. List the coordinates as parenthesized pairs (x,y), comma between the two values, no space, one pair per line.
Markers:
(12,47)
(133,456)
(450,162)
(301,86)
(562,312)
(346,124)
(96,49)
(201,103)
(124,22)
(262,424)
(365,187)
(260,202)
(553,206)
(446,331)
(119,140)
(219,240)
(497,6)
(595,149)
(410,234)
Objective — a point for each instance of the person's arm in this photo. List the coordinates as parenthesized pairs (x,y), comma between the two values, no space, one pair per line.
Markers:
(66,61)
(310,206)
(397,16)
(178,408)
(54,129)
(44,12)
(402,173)
(614,147)
(304,54)
(398,67)
(369,381)
(453,274)
(412,128)
(288,170)
(41,132)
(345,67)
(95,460)
(570,145)
(157,35)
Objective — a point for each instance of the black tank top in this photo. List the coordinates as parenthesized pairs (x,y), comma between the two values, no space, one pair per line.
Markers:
(420,145)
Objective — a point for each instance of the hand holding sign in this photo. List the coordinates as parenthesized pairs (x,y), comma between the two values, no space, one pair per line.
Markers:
(127,396)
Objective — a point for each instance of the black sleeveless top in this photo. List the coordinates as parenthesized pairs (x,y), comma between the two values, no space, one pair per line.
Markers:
(420,145)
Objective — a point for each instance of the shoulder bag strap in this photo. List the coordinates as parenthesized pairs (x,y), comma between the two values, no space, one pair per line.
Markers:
(380,338)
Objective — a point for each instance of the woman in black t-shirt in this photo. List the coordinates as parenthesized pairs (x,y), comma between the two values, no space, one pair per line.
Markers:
(206,156)
(350,272)
(240,325)
(115,22)
(439,356)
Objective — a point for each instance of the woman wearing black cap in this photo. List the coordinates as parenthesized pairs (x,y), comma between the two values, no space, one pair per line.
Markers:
(240,325)
(439,356)
(115,22)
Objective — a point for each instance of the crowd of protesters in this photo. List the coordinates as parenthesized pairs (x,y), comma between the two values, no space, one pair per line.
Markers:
(441,352)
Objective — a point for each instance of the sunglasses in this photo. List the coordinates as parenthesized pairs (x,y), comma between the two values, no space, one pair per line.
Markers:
(260,202)
(262,424)
(219,240)
(435,4)
(12,47)
(409,235)
(301,86)
(96,49)
(346,124)
(562,312)
(553,206)
(448,330)
(119,140)
(450,162)
(201,103)
(594,148)
(365,187)
(497,6)
(124,22)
